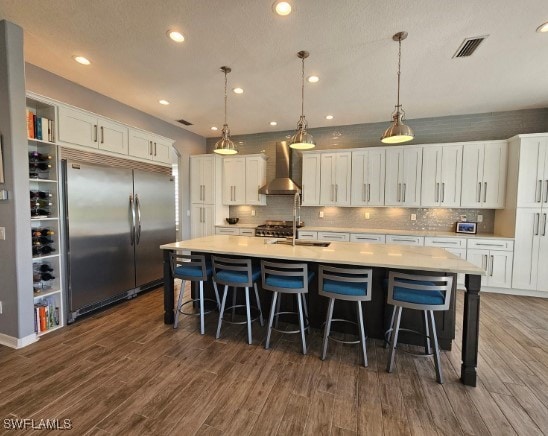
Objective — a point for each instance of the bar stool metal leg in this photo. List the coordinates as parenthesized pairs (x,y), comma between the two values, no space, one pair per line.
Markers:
(437,361)
(271,320)
(248,312)
(178,307)
(278,303)
(221,311)
(233,303)
(301,321)
(217,295)
(389,335)
(362,333)
(427,348)
(327,328)
(394,340)
(261,319)
(202,324)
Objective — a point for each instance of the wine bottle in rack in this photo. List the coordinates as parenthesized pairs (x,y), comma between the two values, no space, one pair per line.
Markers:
(43,250)
(42,231)
(40,194)
(44,267)
(42,240)
(40,212)
(35,202)
(34,156)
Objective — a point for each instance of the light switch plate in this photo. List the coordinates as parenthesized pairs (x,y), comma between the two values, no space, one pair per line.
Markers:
(2,233)
(321,214)
(480,218)
(367,216)
(252,212)
(413,217)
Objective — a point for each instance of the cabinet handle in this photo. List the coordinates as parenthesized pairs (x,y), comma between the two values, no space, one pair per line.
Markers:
(336,193)
(538,192)
(102,135)
(536,224)
(492,263)
(95,133)
(403,240)
(258,195)
(150,148)
(404,191)
(437,192)
(364,190)
(479,192)
(399,192)
(443,192)
(368,192)
(154,149)
(544,227)
(546,192)
(485,193)
(444,242)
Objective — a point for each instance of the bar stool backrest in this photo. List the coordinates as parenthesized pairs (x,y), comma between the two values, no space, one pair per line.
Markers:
(191,261)
(413,282)
(346,275)
(296,270)
(233,265)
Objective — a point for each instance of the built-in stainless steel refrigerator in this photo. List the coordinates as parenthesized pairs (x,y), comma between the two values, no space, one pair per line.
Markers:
(115,221)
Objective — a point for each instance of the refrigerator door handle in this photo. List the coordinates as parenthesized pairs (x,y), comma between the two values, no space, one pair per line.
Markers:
(131,206)
(138,207)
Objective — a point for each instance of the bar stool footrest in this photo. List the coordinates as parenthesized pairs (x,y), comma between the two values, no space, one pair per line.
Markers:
(415,332)
(197,300)
(251,308)
(340,341)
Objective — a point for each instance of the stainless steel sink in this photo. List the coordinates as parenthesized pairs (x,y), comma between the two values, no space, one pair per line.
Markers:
(304,243)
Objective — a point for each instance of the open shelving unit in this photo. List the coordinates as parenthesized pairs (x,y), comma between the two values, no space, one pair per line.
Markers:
(45,225)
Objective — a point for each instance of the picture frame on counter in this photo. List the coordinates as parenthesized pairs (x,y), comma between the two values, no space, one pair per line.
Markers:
(467,227)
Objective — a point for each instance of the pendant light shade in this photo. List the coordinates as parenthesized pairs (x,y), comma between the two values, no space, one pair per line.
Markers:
(398,131)
(302,140)
(225,144)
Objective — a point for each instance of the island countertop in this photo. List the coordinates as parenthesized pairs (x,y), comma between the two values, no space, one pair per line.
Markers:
(349,253)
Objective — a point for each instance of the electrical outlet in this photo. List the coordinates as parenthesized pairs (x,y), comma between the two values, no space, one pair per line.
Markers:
(367,216)
(252,212)
(463,218)
(2,233)
(413,217)
(321,213)
(480,218)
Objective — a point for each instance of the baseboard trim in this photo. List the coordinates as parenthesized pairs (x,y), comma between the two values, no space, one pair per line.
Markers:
(518,292)
(10,341)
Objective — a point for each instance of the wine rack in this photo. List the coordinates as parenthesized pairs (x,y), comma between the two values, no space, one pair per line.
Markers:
(44,210)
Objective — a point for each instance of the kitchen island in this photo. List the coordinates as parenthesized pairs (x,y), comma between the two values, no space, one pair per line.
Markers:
(379,257)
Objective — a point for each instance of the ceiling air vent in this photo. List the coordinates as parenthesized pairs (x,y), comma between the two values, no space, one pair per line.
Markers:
(469,46)
(184,122)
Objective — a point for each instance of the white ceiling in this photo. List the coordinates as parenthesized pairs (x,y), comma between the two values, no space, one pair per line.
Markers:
(350,44)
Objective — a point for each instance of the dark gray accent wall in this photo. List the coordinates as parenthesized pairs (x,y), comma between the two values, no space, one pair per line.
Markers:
(16,291)
(474,127)
(187,143)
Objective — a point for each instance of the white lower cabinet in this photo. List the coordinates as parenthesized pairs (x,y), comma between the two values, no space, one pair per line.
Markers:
(405,240)
(495,257)
(307,235)
(368,238)
(203,223)
(333,236)
(456,246)
(235,231)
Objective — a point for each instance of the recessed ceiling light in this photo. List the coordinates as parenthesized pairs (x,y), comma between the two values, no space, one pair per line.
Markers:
(282,8)
(313,79)
(238,91)
(164,102)
(543,28)
(214,128)
(175,36)
(273,123)
(329,117)
(82,60)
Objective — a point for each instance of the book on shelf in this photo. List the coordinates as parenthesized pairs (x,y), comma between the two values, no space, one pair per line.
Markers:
(46,315)
(30,124)
(40,128)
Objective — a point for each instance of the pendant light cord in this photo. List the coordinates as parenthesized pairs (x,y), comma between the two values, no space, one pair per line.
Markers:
(226,98)
(399,71)
(302,88)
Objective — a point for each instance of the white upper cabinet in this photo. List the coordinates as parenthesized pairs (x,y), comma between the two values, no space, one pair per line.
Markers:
(234,180)
(148,146)
(367,188)
(202,179)
(441,175)
(89,130)
(311,179)
(255,178)
(533,172)
(335,178)
(484,175)
(403,176)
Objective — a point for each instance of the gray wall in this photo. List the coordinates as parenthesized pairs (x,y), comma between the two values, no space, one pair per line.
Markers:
(475,127)
(50,85)
(16,251)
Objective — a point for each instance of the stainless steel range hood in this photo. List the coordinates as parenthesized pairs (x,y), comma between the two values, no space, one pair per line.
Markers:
(282,184)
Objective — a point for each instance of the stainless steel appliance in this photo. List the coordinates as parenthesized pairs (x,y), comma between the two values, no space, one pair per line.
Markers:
(282,183)
(276,229)
(116,219)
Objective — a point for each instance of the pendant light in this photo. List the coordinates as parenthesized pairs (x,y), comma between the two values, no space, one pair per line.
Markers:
(398,132)
(225,144)
(302,140)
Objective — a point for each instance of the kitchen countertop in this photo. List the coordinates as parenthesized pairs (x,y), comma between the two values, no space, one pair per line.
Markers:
(433,233)
(348,253)
(240,226)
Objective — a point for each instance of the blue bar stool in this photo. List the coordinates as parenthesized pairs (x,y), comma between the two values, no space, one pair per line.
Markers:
(193,268)
(237,273)
(287,278)
(351,284)
(418,292)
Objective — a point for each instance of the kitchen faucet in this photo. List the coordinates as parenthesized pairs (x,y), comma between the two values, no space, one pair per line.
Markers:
(296,218)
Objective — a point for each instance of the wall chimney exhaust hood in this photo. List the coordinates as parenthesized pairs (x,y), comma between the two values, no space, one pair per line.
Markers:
(282,184)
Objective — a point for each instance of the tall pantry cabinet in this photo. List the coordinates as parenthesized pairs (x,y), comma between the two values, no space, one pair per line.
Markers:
(530,154)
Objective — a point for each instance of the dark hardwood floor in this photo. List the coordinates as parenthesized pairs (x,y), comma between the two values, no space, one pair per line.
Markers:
(123,371)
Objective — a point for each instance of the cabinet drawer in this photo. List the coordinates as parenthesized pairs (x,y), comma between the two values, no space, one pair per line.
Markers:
(369,238)
(311,236)
(227,231)
(491,244)
(247,232)
(430,241)
(333,236)
(405,240)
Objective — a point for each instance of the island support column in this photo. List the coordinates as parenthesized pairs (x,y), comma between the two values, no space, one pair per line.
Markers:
(470,329)
(168,289)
